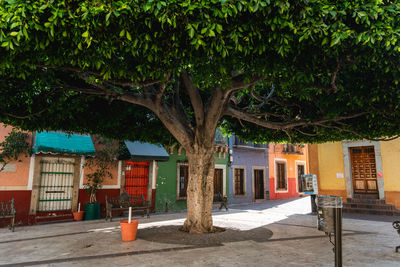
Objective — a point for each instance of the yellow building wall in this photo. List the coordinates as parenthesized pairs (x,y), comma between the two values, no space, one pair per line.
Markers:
(330,163)
(390,152)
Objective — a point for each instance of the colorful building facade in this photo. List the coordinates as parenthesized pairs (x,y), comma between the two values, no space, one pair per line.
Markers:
(358,170)
(49,184)
(249,177)
(287,162)
(172,177)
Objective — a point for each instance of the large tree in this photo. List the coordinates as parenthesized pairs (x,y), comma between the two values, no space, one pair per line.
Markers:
(294,71)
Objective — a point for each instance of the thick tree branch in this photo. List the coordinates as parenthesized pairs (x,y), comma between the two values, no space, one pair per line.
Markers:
(195,98)
(262,98)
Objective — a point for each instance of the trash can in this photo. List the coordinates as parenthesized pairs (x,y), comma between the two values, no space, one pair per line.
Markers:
(330,222)
(326,212)
(92,211)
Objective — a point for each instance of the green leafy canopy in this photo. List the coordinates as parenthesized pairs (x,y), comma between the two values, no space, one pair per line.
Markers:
(328,70)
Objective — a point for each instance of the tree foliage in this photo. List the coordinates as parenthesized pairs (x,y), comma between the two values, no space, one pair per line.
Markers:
(14,144)
(101,166)
(298,71)
(325,60)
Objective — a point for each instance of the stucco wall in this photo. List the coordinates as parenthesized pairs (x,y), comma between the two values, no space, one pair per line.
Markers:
(330,159)
(391,171)
(291,159)
(391,164)
(17,179)
(248,158)
(331,162)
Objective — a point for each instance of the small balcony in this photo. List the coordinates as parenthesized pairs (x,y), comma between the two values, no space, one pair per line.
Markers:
(293,149)
(239,142)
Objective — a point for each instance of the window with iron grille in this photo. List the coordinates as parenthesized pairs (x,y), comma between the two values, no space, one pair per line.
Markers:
(183,178)
(281,181)
(239,181)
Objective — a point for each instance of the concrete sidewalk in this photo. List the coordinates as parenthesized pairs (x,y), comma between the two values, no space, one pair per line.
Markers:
(273,233)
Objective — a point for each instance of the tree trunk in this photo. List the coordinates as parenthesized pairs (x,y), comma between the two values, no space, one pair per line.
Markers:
(200,190)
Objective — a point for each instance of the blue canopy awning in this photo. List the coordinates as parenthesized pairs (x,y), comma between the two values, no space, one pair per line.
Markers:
(59,142)
(139,150)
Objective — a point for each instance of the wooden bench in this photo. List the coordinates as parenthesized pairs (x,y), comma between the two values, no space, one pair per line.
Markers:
(123,202)
(7,210)
(222,200)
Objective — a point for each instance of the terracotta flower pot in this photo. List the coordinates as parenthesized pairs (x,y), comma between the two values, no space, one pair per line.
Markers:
(78,215)
(128,230)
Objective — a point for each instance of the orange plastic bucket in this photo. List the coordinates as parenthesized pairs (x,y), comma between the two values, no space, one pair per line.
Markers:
(128,230)
(78,215)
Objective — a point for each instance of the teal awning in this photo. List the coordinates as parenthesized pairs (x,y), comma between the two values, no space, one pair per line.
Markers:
(139,150)
(59,142)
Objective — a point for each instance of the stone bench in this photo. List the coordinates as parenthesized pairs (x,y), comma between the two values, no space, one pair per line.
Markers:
(123,202)
(7,210)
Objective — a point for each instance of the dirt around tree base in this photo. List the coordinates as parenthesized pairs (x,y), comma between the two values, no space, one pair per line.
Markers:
(172,235)
(216,229)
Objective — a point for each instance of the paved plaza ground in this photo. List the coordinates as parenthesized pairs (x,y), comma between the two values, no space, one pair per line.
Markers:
(273,233)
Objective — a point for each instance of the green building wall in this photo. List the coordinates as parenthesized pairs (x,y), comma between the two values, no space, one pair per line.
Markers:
(166,187)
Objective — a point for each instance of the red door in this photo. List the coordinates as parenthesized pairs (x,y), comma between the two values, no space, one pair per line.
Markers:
(137,178)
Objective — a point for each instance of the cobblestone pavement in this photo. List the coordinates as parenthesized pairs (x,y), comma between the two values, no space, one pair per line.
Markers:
(272,233)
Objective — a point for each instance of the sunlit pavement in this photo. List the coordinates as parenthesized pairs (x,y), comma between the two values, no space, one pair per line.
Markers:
(295,241)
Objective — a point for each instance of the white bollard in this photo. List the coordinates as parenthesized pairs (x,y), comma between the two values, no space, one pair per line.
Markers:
(130,215)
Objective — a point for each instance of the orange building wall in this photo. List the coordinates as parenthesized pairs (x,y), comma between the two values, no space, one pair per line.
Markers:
(113,169)
(276,152)
(107,180)
(17,180)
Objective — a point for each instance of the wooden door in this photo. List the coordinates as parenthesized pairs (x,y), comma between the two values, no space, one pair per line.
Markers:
(300,172)
(137,178)
(218,182)
(259,184)
(363,170)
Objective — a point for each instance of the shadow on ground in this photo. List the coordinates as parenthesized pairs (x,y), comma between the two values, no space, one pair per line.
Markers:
(172,235)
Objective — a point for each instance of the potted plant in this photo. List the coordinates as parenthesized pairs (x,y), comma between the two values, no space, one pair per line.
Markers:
(129,228)
(78,215)
(94,183)
(104,159)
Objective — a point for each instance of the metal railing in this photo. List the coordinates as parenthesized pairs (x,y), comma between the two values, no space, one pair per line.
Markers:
(239,142)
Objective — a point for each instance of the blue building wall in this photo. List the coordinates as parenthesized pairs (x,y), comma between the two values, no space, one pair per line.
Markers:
(249,157)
